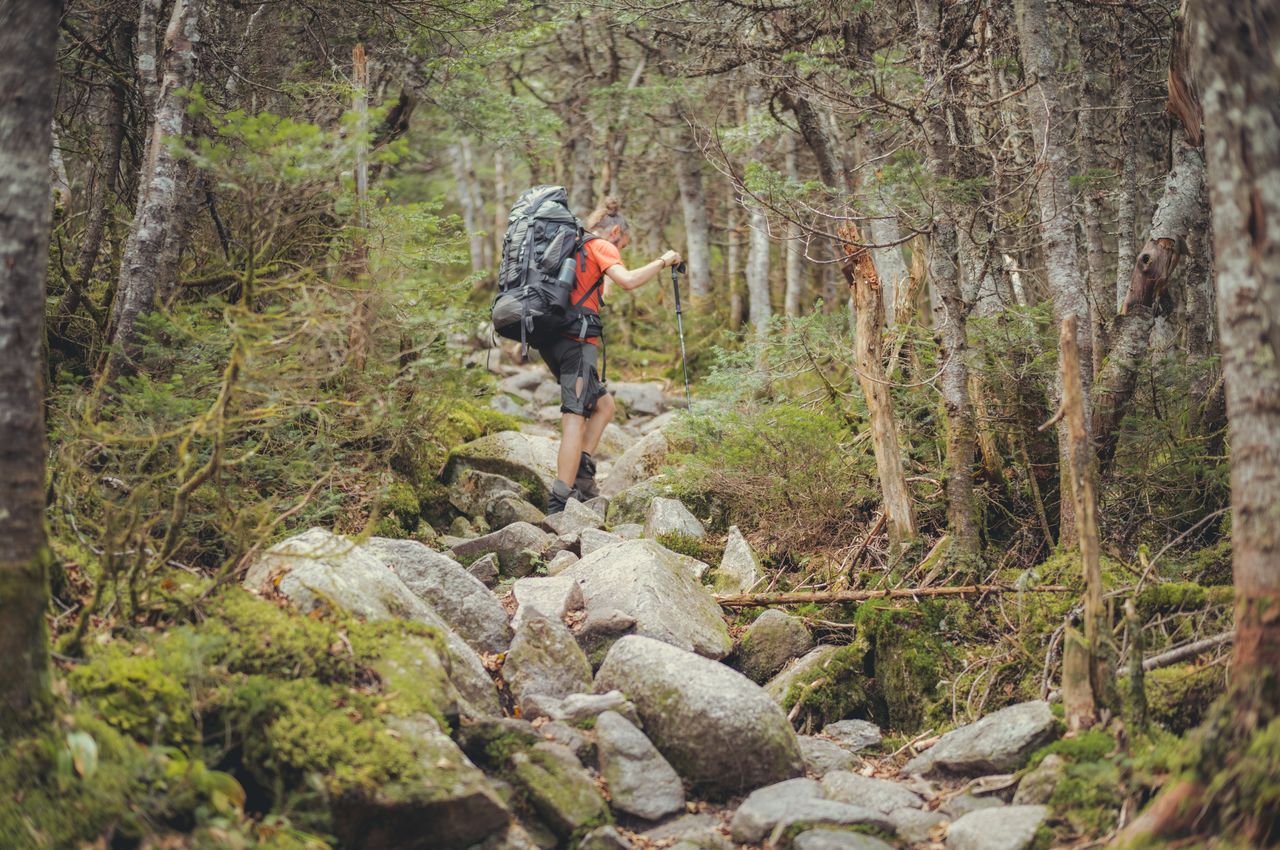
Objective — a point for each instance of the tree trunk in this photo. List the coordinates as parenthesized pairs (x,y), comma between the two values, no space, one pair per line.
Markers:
(795,245)
(1052,133)
(759,308)
(1177,212)
(1240,89)
(464,177)
(28,42)
(582,171)
(150,255)
(693,202)
(860,273)
(733,267)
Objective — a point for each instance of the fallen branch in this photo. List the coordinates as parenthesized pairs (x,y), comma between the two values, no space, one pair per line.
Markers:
(746,600)
(1191,650)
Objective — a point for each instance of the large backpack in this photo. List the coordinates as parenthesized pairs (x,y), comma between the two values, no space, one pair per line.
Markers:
(541,254)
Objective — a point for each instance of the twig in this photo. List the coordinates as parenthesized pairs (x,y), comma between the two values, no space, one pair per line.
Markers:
(747,600)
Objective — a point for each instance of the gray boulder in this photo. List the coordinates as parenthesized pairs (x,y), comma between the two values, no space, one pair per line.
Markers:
(550,596)
(473,491)
(641,461)
(631,505)
(800,668)
(485,569)
(599,504)
(629,530)
(764,807)
(455,594)
(593,539)
(962,804)
(559,789)
(837,839)
(770,642)
(522,383)
(813,812)
(560,562)
(641,782)
(670,516)
(998,743)
(505,404)
(574,518)
(545,659)
(715,726)
(604,838)
(699,831)
(525,458)
(1005,828)
(640,399)
(915,825)
(880,795)
(519,547)
(854,735)
(614,442)
(740,569)
(317,569)
(453,808)
(547,392)
(1039,784)
(654,586)
(508,509)
(822,756)
(570,738)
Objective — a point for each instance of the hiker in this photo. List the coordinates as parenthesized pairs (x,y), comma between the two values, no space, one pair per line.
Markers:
(586,407)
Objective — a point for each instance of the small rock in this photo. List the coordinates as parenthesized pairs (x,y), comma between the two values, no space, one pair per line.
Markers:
(629,530)
(764,807)
(740,569)
(518,546)
(534,706)
(602,627)
(822,756)
(505,404)
(880,795)
(485,569)
(560,790)
(614,442)
(641,781)
(455,594)
(545,659)
(1006,828)
(522,383)
(573,519)
(998,743)
(462,528)
(560,562)
(670,516)
(657,423)
(521,457)
(1038,785)
(599,504)
(550,596)
(800,668)
(771,641)
(915,825)
(961,805)
(546,393)
(715,726)
(812,812)
(700,830)
(854,735)
(473,491)
(604,838)
(640,399)
(508,510)
(831,839)
(562,543)
(631,504)
(637,463)
(581,706)
(568,737)
(593,539)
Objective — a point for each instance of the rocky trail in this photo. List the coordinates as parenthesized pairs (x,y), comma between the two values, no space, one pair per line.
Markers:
(591,695)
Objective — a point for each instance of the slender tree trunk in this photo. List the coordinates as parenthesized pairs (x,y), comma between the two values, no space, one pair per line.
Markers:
(1236,60)
(860,272)
(759,307)
(28,71)
(693,203)
(502,204)
(733,267)
(462,178)
(795,245)
(148,265)
(582,167)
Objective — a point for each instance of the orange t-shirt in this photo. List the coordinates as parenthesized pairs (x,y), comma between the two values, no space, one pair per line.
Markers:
(600,254)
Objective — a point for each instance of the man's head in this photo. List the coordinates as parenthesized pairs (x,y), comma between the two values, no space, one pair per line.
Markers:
(608,222)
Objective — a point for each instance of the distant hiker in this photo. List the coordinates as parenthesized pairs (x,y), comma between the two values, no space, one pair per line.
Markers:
(586,406)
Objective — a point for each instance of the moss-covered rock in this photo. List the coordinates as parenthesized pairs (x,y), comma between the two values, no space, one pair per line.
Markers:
(559,789)
(1179,696)
(907,659)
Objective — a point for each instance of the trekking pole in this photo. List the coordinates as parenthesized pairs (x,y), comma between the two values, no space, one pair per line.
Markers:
(676,271)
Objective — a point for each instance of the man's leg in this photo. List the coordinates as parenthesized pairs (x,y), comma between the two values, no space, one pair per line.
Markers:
(599,420)
(573,429)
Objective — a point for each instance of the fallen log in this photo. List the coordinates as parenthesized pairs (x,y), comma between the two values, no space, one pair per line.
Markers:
(1183,653)
(746,600)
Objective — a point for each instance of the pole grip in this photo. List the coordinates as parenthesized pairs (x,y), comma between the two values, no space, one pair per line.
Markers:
(675,285)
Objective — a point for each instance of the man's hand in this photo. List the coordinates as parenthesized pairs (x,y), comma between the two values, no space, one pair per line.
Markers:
(670,258)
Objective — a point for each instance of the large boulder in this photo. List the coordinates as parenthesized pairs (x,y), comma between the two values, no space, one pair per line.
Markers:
(1005,828)
(880,795)
(592,539)
(740,569)
(998,743)
(641,781)
(545,659)
(670,516)
(519,547)
(631,505)
(451,808)
(716,727)
(574,518)
(455,594)
(527,459)
(641,461)
(317,569)
(506,510)
(551,596)
(559,789)
(656,587)
(770,642)
(640,399)
(764,807)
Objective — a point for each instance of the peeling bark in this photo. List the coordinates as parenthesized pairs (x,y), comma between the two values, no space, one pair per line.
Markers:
(150,255)
(28,42)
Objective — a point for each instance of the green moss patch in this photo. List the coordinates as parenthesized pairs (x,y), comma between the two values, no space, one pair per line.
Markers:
(1179,696)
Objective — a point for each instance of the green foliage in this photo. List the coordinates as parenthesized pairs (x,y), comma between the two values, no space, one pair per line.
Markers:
(138,695)
(694,547)
(1179,696)
(833,691)
(1089,746)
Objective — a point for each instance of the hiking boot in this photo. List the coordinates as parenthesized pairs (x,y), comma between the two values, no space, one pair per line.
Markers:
(585,483)
(559,496)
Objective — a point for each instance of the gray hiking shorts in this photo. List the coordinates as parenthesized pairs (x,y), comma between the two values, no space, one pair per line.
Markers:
(574,365)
